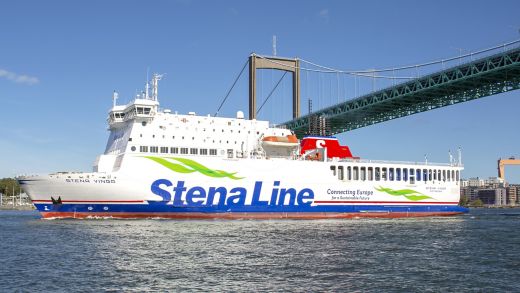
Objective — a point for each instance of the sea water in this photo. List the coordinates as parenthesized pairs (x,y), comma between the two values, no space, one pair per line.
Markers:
(475,252)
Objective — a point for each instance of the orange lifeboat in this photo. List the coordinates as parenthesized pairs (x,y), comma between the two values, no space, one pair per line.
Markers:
(281,141)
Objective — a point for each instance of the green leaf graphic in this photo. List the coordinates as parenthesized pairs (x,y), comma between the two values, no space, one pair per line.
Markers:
(172,166)
(410,194)
(192,166)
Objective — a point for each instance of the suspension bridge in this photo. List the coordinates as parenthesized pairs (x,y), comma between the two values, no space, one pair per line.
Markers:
(443,82)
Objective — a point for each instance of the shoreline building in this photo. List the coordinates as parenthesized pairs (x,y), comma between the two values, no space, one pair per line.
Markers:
(493,191)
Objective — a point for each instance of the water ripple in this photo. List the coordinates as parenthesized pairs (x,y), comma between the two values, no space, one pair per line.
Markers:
(476,253)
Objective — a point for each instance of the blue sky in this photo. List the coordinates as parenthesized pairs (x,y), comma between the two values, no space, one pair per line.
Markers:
(61,60)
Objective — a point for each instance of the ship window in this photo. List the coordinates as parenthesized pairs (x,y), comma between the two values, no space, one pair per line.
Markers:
(230,153)
(383,174)
(212,152)
(377,174)
(164,150)
(154,149)
(133,148)
(453,175)
(173,137)
(130,139)
(143,123)
(430,175)
(439,175)
(140,135)
(153,136)
(457,176)
(391,174)
(333,169)
(143,149)
(204,152)
(397,174)
(184,151)
(425,175)
(174,150)
(434,174)
(349,173)
(418,174)
(356,173)
(370,173)
(363,173)
(405,174)
(194,151)
(193,137)
(146,111)
(412,177)
(443,175)
(340,173)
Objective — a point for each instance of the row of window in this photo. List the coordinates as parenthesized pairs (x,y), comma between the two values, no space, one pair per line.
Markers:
(175,150)
(393,174)
(193,138)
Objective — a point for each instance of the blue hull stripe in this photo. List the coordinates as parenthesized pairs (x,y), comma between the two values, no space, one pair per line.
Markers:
(161,208)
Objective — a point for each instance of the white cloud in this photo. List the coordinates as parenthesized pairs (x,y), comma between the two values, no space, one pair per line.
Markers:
(18,78)
(324,14)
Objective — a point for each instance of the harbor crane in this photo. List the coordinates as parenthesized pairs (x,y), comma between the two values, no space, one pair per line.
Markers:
(503,162)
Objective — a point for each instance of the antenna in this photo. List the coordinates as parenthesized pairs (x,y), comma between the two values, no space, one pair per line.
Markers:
(274,45)
(155,85)
(460,156)
(147,85)
(115,96)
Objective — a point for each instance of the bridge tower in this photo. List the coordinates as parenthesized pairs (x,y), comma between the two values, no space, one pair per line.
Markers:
(277,63)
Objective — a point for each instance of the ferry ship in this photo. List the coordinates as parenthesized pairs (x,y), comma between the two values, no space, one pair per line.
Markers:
(162,164)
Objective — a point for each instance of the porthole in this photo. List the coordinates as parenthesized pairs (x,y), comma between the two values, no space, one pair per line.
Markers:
(143,123)
(133,148)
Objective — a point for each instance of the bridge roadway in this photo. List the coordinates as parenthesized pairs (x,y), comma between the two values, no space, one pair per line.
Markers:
(480,78)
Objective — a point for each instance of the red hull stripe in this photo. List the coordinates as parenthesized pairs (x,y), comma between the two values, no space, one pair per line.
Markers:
(124,215)
(384,202)
(92,201)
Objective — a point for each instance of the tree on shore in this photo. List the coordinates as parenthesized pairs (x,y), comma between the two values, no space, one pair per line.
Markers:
(8,186)
(464,201)
(477,203)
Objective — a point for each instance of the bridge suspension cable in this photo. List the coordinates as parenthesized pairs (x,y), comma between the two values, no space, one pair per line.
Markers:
(230,89)
(271,93)
(371,72)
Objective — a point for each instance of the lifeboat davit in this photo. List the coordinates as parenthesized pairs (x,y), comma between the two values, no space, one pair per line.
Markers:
(288,141)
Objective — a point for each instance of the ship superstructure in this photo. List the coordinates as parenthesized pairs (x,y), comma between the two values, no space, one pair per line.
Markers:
(159,163)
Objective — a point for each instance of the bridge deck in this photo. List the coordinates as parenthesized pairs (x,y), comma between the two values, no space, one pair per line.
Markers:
(484,77)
